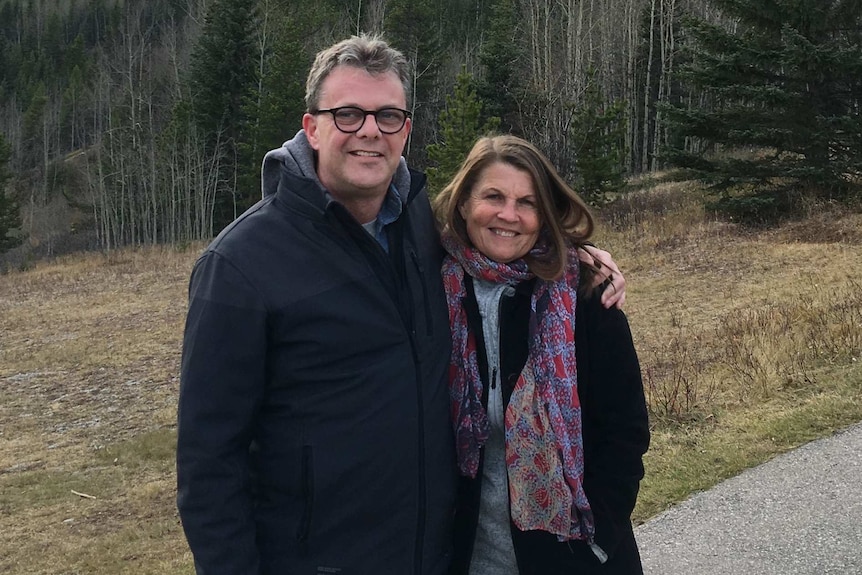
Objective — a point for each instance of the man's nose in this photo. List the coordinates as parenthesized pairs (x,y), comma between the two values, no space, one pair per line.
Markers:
(369,127)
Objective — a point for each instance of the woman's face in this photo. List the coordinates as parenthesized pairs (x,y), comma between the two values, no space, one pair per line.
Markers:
(502,213)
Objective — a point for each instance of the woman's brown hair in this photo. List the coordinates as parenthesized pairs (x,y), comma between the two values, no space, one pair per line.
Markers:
(565,219)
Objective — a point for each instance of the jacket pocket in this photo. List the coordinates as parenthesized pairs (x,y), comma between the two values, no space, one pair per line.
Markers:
(307,478)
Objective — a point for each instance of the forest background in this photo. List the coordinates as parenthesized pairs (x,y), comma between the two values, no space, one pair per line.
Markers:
(131,122)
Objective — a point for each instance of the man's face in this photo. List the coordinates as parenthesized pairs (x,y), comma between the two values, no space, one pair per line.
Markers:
(357,166)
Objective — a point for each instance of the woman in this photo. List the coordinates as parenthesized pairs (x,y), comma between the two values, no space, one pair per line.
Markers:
(545,388)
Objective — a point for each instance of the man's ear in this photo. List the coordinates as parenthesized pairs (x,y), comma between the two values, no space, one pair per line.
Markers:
(408,126)
(309,124)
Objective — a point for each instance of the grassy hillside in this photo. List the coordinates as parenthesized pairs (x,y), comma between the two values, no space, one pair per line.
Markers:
(750,344)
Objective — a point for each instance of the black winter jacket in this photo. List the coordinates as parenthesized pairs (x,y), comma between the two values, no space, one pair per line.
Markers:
(313,431)
(615,436)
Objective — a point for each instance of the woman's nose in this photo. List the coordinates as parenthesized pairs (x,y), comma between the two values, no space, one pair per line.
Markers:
(508,212)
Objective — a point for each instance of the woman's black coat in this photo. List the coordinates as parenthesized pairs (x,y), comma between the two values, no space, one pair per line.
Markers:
(615,436)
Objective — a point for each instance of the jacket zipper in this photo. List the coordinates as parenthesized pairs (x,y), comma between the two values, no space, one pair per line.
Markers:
(410,327)
(499,345)
(429,331)
(420,516)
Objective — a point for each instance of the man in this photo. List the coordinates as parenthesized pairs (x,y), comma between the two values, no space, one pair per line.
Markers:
(313,416)
(313,427)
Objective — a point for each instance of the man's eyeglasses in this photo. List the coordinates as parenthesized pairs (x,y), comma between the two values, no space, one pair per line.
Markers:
(350,119)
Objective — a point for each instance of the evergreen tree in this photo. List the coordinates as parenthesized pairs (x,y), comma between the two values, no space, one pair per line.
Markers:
(786,84)
(460,126)
(223,77)
(10,216)
(75,57)
(276,103)
(500,54)
(32,135)
(413,26)
(7,71)
(598,136)
(71,113)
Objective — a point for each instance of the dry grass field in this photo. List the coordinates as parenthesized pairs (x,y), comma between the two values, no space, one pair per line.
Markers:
(750,344)
(89,358)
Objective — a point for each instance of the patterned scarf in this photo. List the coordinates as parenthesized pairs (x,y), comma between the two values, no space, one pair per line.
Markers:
(544,447)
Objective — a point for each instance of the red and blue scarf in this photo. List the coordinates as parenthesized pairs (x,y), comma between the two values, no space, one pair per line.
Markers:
(544,446)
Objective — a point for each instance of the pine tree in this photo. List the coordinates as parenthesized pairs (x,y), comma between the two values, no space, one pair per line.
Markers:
(10,216)
(784,86)
(276,103)
(460,126)
(32,135)
(413,27)
(598,136)
(223,76)
(500,54)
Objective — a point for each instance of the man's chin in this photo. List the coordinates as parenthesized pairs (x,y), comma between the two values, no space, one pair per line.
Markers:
(363,189)
(373,185)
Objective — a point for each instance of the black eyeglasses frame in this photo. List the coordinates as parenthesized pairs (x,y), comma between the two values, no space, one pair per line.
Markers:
(365,114)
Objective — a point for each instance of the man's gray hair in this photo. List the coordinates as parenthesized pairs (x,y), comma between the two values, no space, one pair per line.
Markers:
(367,52)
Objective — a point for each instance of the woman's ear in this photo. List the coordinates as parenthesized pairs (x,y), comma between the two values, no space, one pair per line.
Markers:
(462,209)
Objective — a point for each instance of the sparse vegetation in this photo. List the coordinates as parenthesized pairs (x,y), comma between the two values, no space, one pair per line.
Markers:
(750,343)
(89,361)
(750,340)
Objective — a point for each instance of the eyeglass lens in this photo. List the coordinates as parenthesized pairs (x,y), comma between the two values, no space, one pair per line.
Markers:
(389,120)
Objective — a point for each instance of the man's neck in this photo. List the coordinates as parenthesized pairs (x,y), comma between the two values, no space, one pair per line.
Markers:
(363,210)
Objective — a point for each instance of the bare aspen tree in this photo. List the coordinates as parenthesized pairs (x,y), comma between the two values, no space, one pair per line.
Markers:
(631,44)
(181,148)
(373,13)
(648,90)
(129,66)
(667,48)
(547,58)
(95,168)
(358,27)
(539,22)
(574,28)
(262,48)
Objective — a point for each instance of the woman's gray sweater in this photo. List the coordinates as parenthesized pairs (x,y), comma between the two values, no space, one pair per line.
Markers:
(493,552)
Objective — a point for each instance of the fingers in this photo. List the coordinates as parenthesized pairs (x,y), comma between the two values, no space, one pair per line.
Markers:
(614,293)
(586,258)
(602,259)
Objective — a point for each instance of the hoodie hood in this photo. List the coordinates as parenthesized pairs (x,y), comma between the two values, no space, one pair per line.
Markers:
(296,156)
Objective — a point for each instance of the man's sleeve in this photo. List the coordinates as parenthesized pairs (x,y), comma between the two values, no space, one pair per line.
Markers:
(221,389)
